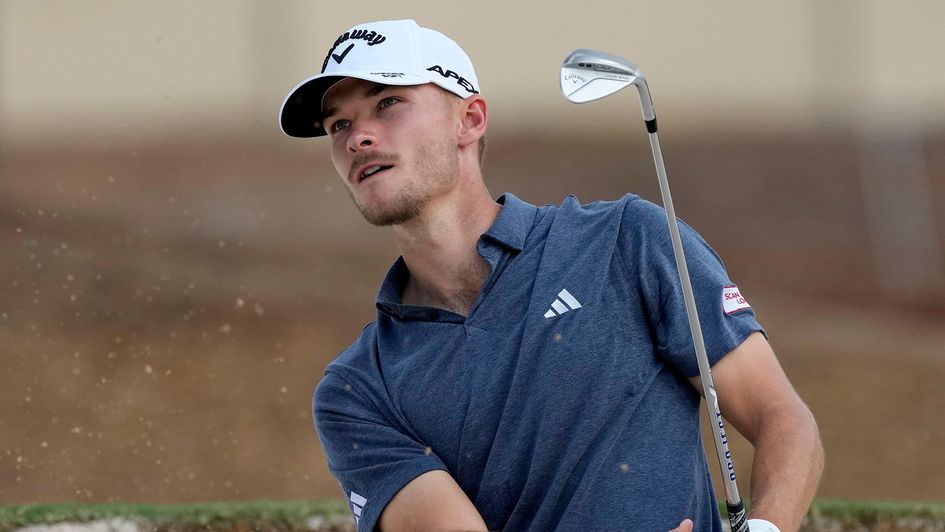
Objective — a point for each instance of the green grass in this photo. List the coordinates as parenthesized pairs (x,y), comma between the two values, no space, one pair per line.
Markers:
(872,512)
(279,514)
(289,515)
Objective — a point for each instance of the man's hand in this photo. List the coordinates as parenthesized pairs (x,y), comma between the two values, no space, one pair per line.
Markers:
(685,526)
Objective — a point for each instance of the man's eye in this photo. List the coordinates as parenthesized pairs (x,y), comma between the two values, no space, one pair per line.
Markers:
(386,102)
(338,125)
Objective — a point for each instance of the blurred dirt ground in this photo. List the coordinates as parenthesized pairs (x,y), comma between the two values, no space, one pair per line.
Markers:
(166,309)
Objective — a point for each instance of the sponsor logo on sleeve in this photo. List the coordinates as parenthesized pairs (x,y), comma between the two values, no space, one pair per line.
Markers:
(732,300)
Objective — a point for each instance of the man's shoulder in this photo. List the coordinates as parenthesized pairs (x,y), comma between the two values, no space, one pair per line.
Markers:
(630,213)
(348,370)
(636,215)
(600,207)
(357,355)
(633,209)
(631,224)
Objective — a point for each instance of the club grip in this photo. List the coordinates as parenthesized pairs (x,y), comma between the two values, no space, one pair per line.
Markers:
(737,517)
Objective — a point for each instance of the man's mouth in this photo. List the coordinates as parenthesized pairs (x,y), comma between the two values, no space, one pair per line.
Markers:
(372,170)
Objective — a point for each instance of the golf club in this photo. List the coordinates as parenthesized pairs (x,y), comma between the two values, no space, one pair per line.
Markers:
(588,75)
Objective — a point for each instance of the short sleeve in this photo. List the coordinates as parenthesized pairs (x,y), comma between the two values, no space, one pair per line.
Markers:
(371,459)
(648,251)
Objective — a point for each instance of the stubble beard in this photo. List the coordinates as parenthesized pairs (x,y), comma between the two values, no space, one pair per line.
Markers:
(436,169)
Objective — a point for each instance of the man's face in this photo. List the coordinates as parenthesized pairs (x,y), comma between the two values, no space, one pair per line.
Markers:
(394,147)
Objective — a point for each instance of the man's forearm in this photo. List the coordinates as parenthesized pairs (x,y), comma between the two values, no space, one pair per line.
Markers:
(788,462)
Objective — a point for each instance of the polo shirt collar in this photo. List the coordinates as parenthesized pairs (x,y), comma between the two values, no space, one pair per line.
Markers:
(514,222)
(510,229)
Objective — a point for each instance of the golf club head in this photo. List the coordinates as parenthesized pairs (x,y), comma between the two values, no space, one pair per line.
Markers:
(588,75)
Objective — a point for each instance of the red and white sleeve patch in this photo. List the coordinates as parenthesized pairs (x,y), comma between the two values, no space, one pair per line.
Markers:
(732,300)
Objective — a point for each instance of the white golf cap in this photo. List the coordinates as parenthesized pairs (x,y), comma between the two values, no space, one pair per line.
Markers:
(391,52)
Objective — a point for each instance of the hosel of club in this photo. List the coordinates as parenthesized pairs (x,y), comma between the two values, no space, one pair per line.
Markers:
(646,103)
(736,510)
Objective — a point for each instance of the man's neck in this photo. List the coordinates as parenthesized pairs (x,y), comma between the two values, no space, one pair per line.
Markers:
(439,247)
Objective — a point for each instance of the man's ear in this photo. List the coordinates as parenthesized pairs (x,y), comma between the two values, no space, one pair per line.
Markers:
(473,121)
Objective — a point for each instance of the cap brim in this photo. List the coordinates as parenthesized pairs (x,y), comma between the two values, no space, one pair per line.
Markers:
(301,112)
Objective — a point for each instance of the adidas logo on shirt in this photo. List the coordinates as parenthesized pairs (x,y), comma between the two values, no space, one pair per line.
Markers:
(357,504)
(563,303)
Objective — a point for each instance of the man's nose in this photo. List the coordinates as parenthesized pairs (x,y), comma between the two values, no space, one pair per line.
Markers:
(362,137)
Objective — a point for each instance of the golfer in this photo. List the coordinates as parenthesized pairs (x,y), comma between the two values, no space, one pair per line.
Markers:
(530,368)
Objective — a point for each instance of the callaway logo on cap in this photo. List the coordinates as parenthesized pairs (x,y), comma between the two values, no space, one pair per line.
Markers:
(393,52)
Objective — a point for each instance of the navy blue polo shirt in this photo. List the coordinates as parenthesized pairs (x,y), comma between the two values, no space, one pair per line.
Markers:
(562,401)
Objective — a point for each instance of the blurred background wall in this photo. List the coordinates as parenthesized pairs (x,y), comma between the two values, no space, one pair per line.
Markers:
(176,273)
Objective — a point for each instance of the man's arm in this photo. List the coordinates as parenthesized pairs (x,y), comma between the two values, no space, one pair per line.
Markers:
(757,399)
(433,501)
